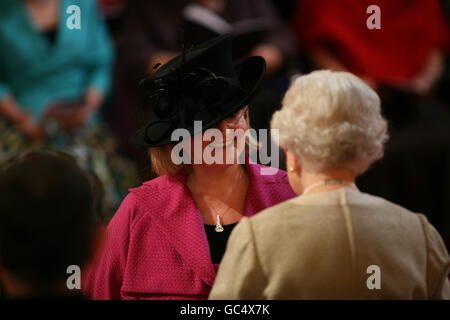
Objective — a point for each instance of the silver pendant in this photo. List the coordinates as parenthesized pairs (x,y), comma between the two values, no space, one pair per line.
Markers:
(219,227)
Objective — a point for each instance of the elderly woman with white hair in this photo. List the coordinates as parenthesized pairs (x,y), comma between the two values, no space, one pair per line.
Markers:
(333,241)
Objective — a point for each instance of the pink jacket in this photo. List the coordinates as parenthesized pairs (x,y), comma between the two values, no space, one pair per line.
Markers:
(156,245)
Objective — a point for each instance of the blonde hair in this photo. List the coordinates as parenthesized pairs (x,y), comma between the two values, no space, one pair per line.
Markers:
(331,120)
(161,161)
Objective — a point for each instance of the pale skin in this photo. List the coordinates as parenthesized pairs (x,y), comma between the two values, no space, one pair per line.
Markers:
(300,177)
(272,55)
(44,15)
(220,188)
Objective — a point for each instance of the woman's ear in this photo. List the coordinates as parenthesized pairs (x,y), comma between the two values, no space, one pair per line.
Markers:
(292,162)
(294,168)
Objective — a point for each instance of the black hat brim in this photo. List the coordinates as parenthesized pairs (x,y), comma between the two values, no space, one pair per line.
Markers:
(250,73)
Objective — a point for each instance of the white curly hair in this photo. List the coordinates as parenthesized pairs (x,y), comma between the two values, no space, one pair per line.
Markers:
(331,120)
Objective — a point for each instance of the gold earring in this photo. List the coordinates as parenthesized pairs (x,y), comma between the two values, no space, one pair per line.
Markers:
(291,169)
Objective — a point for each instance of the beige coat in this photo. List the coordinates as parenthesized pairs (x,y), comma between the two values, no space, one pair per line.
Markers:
(320,246)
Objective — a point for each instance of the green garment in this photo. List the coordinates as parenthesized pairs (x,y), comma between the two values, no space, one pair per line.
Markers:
(37,72)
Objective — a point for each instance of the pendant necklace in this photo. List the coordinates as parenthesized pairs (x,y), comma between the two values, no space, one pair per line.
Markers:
(219,226)
(328,182)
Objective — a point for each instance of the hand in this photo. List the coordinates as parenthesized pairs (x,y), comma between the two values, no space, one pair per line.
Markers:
(30,129)
(422,85)
(425,81)
(72,115)
(272,55)
(75,119)
(68,116)
(10,110)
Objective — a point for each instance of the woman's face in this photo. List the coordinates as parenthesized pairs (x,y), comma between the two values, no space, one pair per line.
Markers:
(224,143)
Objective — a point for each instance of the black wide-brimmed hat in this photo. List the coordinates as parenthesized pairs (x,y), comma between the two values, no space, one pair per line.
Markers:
(201,84)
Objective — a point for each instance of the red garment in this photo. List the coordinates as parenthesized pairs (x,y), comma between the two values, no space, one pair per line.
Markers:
(410,30)
(156,245)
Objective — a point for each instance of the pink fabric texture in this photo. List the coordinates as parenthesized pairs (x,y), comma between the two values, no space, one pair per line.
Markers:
(156,245)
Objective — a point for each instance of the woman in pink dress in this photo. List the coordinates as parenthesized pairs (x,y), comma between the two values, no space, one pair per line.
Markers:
(168,237)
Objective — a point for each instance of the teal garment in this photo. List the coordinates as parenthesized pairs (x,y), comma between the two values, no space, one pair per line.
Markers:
(36,72)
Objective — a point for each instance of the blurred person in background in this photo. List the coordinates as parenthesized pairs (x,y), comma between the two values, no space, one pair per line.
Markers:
(153,32)
(53,81)
(47,223)
(404,62)
(327,242)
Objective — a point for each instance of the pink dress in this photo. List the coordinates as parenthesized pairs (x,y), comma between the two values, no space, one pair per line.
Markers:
(156,245)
